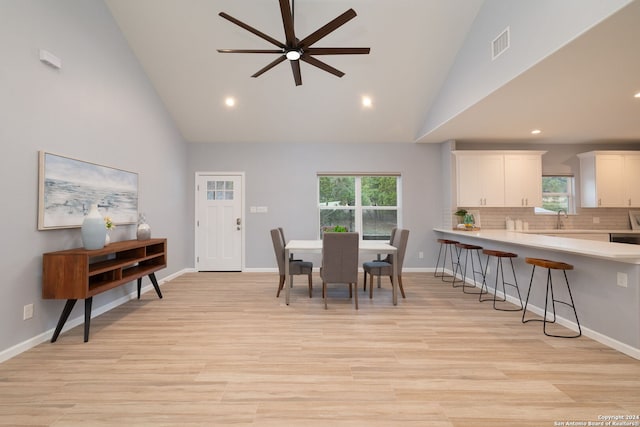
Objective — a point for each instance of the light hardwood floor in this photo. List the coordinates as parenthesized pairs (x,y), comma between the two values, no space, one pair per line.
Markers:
(221,349)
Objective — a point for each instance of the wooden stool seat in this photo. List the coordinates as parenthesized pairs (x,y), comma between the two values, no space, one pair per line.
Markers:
(447,241)
(545,263)
(549,296)
(468,246)
(499,255)
(444,245)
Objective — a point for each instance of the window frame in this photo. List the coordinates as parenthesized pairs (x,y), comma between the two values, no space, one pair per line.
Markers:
(570,194)
(358,208)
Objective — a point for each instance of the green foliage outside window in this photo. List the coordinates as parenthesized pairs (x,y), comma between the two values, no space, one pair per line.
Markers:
(557,193)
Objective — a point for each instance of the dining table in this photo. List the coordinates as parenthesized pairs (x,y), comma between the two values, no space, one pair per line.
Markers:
(365,247)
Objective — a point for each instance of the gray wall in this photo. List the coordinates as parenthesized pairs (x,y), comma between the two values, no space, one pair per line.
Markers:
(283,178)
(101,108)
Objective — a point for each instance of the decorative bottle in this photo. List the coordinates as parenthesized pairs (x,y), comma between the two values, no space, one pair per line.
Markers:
(144,231)
(93,230)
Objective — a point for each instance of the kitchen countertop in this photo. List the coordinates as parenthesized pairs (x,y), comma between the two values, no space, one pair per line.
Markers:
(578,231)
(620,252)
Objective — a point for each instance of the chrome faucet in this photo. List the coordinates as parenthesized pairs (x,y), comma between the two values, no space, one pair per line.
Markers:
(559,223)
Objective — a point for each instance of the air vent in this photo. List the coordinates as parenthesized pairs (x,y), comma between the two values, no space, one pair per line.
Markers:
(500,44)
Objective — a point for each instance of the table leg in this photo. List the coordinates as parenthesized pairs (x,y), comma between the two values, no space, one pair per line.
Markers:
(394,278)
(154,281)
(63,318)
(287,276)
(87,317)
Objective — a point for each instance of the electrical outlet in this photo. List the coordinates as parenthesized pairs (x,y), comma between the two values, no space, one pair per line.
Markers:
(420,255)
(622,280)
(27,312)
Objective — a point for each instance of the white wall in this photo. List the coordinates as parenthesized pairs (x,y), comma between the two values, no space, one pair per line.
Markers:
(99,108)
(537,28)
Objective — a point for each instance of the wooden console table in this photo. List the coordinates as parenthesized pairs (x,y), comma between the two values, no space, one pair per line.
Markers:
(80,273)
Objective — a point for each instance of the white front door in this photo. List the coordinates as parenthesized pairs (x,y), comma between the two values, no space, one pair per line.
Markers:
(219,222)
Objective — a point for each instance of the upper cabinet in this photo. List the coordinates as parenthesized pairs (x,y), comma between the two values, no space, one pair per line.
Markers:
(523,179)
(608,179)
(499,178)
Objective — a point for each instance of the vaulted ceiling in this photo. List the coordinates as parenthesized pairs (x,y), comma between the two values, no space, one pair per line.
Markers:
(413,47)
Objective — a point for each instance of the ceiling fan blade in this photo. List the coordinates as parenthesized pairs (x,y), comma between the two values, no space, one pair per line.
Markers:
(326,29)
(287,22)
(270,66)
(317,63)
(250,51)
(295,67)
(337,50)
(252,30)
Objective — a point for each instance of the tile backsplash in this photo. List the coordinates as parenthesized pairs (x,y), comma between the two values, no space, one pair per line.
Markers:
(608,218)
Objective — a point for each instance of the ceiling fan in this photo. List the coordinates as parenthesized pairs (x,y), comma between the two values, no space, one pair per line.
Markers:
(296,50)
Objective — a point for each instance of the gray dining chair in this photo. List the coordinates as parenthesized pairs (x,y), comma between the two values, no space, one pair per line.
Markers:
(340,262)
(296,267)
(385,267)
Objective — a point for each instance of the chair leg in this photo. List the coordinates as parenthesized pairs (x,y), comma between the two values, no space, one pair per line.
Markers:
(324,293)
(310,286)
(400,285)
(280,286)
(351,291)
(364,288)
(356,297)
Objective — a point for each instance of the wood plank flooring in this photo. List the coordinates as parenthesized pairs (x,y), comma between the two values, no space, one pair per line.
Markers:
(221,349)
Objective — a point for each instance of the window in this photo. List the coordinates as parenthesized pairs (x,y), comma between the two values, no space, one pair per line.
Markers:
(368,204)
(557,194)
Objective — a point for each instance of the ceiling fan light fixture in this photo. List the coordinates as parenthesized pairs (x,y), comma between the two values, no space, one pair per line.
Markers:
(536,132)
(637,95)
(293,55)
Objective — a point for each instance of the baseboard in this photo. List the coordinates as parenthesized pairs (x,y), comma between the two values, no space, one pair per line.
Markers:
(569,324)
(72,323)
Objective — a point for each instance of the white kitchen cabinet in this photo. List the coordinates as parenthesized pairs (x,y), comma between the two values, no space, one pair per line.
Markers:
(523,180)
(480,179)
(608,178)
(632,179)
(488,178)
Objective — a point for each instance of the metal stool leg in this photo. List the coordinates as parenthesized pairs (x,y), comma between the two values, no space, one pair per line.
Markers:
(549,291)
(473,272)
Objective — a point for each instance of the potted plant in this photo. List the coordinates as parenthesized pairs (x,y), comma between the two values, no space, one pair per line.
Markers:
(460,213)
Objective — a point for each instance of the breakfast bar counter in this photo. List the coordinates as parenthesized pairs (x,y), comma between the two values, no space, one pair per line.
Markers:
(605,281)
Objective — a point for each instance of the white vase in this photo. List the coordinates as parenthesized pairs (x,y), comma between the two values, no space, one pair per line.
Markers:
(93,230)
(143,232)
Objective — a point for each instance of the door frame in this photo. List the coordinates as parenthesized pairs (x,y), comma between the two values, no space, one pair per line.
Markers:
(198,175)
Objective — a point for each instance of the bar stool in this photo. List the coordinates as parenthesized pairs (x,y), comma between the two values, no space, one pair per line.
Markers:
(469,251)
(499,255)
(447,245)
(551,265)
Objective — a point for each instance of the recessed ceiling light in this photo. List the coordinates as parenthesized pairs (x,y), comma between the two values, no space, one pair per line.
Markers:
(637,95)
(536,132)
(230,102)
(367,102)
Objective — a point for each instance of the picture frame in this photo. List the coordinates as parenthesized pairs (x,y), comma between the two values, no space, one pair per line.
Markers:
(634,218)
(68,187)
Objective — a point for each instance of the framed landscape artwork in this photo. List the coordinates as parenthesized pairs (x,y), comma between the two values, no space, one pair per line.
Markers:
(68,187)
(634,217)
